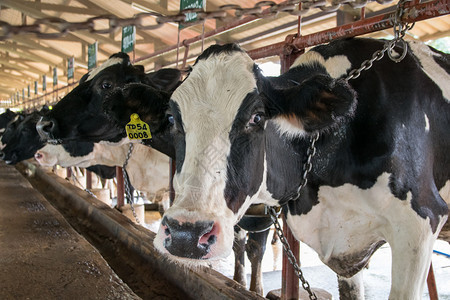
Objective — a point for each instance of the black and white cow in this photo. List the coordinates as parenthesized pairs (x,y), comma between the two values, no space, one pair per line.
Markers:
(87,122)
(5,118)
(148,169)
(20,140)
(79,115)
(8,131)
(381,159)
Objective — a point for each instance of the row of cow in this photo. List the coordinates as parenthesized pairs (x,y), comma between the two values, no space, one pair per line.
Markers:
(380,173)
(147,169)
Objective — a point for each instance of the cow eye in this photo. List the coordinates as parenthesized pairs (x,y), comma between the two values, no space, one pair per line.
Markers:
(255,119)
(106,85)
(171,119)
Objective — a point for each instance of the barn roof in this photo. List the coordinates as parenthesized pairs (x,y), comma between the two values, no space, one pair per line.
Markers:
(26,57)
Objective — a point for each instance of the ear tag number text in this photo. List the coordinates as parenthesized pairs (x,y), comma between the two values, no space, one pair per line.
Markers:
(137,129)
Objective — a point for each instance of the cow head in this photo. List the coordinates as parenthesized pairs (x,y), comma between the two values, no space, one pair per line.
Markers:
(150,104)
(218,119)
(21,139)
(79,115)
(8,132)
(66,155)
(5,118)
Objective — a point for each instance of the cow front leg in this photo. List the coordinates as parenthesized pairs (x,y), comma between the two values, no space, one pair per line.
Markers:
(412,249)
(351,288)
(239,255)
(255,247)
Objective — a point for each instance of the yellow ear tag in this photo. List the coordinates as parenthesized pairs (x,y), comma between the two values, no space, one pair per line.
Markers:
(137,129)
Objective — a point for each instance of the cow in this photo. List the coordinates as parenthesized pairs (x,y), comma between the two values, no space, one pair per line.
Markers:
(20,140)
(380,164)
(79,113)
(148,169)
(5,118)
(8,131)
(87,122)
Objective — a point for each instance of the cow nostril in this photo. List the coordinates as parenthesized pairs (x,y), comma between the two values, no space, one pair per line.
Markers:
(2,155)
(45,127)
(209,237)
(48,127)
(167,231)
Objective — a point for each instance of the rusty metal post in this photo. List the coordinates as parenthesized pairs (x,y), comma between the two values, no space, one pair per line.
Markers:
(88,179)
(186,54)
(290,281)
(431,283)
(120,187)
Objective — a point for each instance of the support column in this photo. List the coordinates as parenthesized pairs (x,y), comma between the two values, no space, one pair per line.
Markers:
(120,188)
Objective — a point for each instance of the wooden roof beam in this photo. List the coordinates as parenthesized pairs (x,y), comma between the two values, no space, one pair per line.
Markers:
(14,65)
(67,9)
(24,53)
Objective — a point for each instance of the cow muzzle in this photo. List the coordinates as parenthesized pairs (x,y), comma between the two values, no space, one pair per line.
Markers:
(42,158)
(189,240)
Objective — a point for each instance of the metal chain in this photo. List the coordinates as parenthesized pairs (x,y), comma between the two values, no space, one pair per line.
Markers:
(76,179)
(52,27)
(290,255)
(307,167)
(127,183)
(400,29)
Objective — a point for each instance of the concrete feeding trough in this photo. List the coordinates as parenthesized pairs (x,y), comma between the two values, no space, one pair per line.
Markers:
(128,248)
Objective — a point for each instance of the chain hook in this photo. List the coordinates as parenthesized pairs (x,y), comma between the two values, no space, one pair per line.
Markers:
(400,27)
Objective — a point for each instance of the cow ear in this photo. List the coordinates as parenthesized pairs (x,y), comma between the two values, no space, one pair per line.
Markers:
(139,68)
(84,78)
(317,104)
(44,109)
(165,79)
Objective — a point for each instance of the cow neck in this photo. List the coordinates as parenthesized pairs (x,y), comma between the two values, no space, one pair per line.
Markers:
(307,167)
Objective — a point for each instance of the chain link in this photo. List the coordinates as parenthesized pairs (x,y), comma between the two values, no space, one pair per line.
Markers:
(290,254)
(72,175)
(307,167)
(126,182)
(400,29)
(52,27)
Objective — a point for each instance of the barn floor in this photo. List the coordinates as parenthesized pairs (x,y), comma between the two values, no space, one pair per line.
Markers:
(41,256)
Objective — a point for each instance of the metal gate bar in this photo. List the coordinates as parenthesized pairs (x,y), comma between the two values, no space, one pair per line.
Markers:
(416,12)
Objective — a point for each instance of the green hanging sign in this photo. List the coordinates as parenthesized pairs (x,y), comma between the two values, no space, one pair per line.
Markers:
(55,77)
(44,83)
(92,55)
(70,67)
(128,38)
(191,17)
